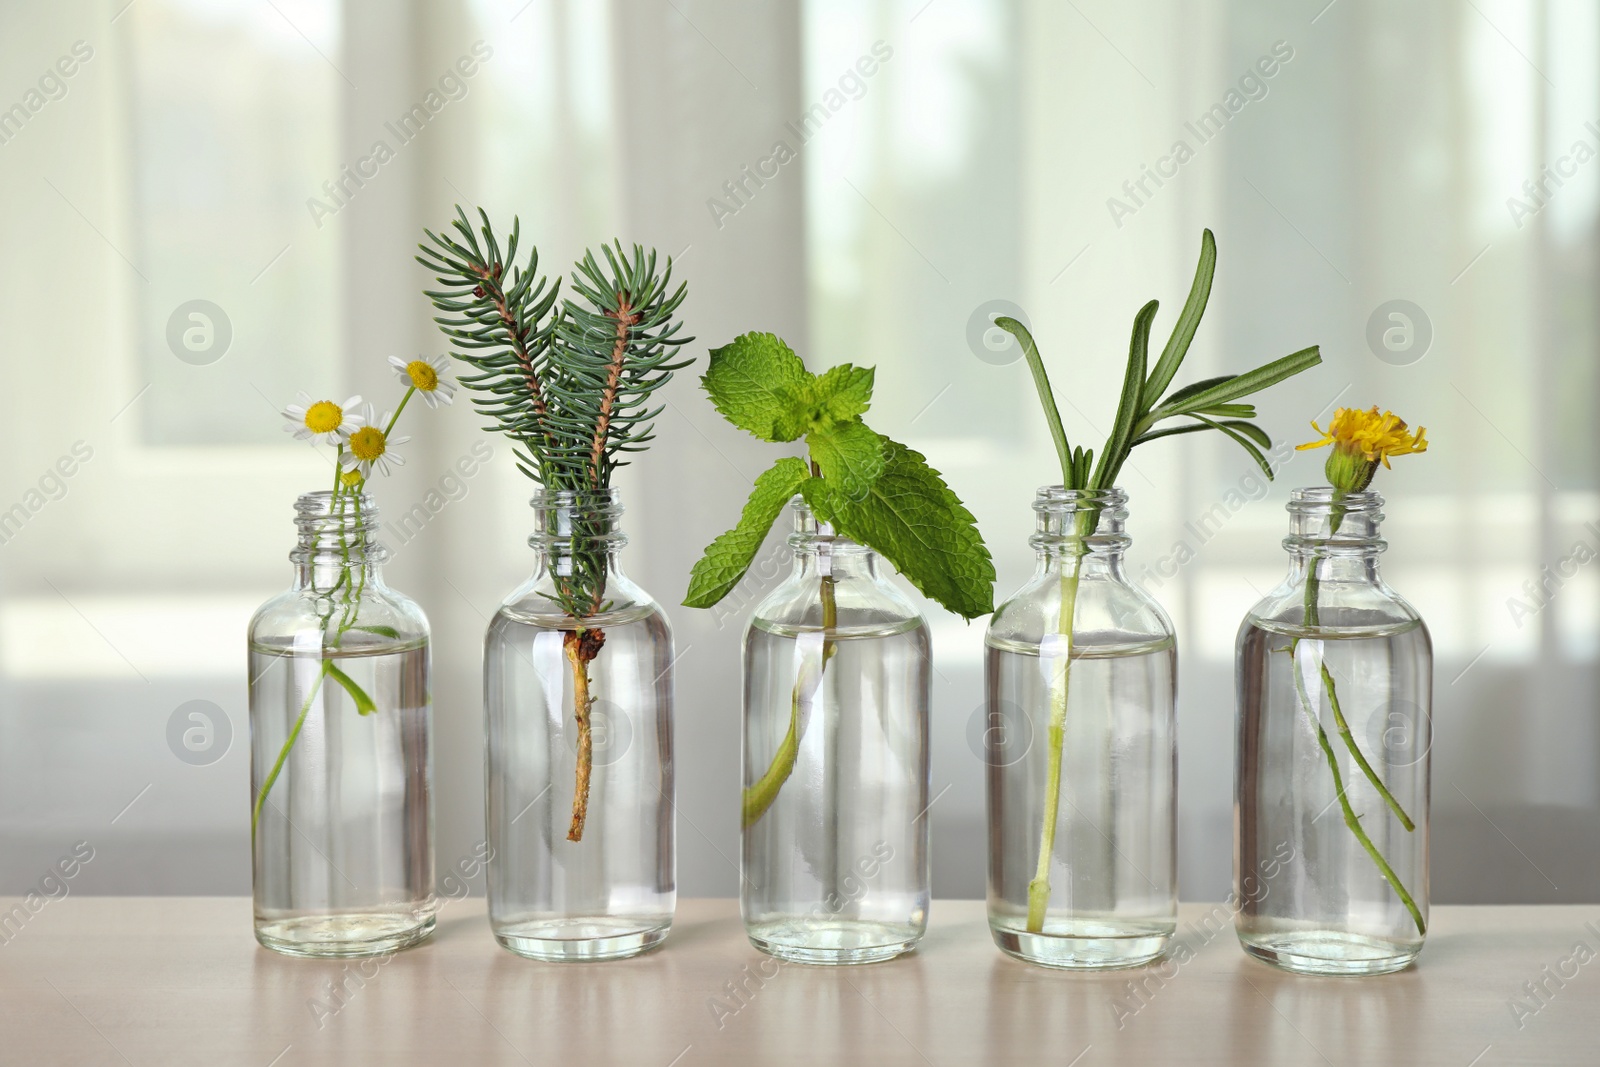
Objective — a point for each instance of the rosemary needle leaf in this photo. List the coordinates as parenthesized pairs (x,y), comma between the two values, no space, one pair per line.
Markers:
(1122,433)
(1188,322)
(1244,443)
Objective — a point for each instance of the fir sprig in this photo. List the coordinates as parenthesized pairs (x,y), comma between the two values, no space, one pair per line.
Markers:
(570,381)
(503,332)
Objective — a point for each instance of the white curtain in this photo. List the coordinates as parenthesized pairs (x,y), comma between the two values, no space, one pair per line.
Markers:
(936,155)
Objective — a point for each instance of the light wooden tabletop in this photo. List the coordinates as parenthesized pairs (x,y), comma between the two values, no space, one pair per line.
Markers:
(169,982)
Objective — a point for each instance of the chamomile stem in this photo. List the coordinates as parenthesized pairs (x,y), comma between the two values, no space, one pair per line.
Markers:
(363,702)
(288,744)
(396,416)
(1039,887)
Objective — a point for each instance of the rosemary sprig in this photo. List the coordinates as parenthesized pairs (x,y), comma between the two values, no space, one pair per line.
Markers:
(1211,404)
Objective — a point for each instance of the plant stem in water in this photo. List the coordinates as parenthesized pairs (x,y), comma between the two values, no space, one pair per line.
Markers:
(1313,588)
(283,754)
(1350,818)
(757,798)
(1039,887)
(581,646)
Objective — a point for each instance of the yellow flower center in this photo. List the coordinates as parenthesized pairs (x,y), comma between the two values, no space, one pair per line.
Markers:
(324,416)
(423,376)
(351,478)
(367,443)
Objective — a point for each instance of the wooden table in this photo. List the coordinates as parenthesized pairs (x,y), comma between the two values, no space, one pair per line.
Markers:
(174,981)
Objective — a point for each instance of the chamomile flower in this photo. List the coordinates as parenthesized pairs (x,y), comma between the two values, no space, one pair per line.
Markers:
(1361,440)
(427,377)
(371,447)
(323,421)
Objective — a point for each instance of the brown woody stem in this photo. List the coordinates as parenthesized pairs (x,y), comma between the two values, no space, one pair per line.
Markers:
(581,646)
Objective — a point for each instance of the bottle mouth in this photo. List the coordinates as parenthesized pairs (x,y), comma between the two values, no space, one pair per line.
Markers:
(1092,518)
(810,531)
(576,515)
(1324,517)
(1326,497)
(340,526)
(1058,498)
(319,512)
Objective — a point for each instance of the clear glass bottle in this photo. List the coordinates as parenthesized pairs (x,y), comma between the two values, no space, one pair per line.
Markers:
(1335,687)
(341,728)
(834,849)
(582,862)
(1081,749)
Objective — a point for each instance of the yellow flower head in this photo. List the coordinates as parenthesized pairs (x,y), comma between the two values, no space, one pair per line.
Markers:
(426,376)
(350,478)
(370,447)
(1361,440)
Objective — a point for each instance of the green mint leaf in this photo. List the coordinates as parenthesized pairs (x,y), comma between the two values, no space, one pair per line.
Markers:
(841,393)
(912,519)
(760,385)
(849,455)
(730,555)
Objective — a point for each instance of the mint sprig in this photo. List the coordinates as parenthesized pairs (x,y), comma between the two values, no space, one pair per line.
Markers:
(869,488)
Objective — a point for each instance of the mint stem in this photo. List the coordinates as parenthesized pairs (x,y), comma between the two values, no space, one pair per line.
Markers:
(757,798)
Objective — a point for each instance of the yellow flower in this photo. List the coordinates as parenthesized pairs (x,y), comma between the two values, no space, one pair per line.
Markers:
(370,447)
(426,376)
(350,478)
(323,420)
(1361,440)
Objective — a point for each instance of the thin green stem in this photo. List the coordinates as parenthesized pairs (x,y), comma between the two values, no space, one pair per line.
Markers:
(1312,619)
(1355,751)
(283,754)
(364,703)
(1350,818)
(396,416)
(1039,887)
(1313,590)
(757,798)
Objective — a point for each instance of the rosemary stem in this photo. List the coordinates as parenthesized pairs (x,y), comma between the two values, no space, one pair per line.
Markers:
(1039,887)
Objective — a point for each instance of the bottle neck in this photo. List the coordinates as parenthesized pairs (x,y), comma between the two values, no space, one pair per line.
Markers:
(821,552)
(577,538)
(337,549)
(1080,530)
(1334,536)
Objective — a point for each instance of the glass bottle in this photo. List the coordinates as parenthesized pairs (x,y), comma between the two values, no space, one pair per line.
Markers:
(582,863)
(1335,687)
(341,727)
(834,849)
(1080,742)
